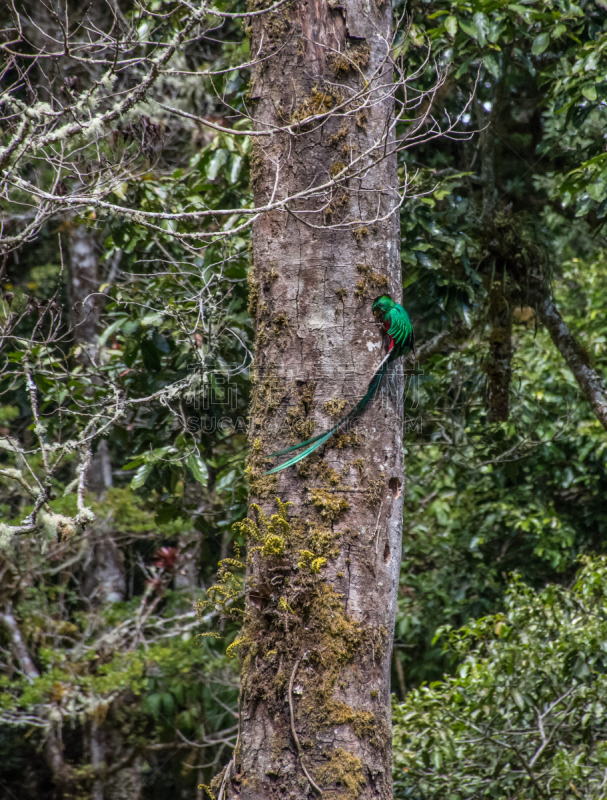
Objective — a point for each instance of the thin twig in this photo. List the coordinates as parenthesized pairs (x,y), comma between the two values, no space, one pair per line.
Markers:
(294,732)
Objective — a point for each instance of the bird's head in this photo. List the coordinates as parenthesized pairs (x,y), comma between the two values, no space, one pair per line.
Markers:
(382,306)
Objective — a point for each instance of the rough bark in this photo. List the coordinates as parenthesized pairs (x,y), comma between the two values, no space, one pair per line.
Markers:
(322,573)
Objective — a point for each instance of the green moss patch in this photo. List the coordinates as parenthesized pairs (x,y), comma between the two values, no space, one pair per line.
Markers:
(343,771)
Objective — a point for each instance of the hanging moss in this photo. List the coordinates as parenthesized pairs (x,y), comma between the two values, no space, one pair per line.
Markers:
(273,546)
(276,24)
(269,276)
(327,474)
(258,5)
(252,285)
(337,205)
(344,439)
(336,138)
(324,542)
(341,293)
(363,723)
(281,329)
(269,393)
(310,561)
(256,161)
(225,596)
(260,484)
(276,527)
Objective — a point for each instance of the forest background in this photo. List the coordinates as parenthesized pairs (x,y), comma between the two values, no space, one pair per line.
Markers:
(106,691)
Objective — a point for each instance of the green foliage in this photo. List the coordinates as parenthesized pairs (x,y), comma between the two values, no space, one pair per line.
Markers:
(169,392)
(524,716)
(481,501)
(525,495)
(93,660)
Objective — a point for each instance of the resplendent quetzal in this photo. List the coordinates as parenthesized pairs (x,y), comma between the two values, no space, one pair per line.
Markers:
(398,327)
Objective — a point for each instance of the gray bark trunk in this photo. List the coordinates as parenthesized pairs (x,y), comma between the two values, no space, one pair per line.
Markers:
(323,573)
(104,579)
(18,646)
(590,381)
(187,576)
(83,283)
(85,306)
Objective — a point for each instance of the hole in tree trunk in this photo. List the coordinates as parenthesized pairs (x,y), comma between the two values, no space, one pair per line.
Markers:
(395,486)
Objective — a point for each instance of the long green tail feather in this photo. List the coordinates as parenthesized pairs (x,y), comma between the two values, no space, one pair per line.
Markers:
(317,441)
(299,445)
(301,456)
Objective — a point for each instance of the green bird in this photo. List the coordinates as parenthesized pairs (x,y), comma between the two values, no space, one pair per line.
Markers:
(398,326)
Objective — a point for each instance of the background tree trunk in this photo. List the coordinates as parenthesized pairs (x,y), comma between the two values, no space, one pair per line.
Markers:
(85,304)
(323,573)
(499,308)
(104,579)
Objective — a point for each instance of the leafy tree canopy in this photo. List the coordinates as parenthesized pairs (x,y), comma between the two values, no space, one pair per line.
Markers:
(524,715)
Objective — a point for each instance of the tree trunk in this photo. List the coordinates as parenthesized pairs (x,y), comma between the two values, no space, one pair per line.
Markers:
(82,286)
(104,579)
(576,356)
(499,363)
(322,572)
(84,304)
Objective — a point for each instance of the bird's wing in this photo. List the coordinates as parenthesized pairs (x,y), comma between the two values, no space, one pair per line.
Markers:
(401,329)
